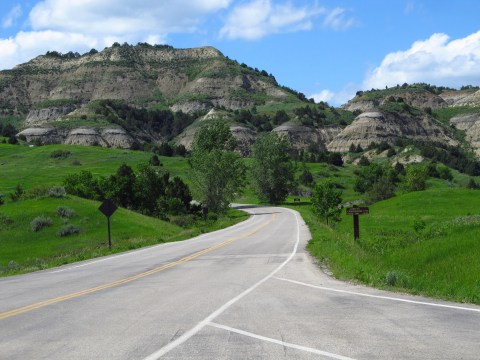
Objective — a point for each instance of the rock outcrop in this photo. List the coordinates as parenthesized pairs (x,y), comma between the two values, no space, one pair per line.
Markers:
(108,137)
(375,127)
(469,100)
(470,123)
(45,136)
(420,98)
(302,137)
(38,117)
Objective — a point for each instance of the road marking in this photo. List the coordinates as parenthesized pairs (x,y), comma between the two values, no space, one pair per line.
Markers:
(187,335)
(379,296)
(279,342)
(134,252)
(56,300)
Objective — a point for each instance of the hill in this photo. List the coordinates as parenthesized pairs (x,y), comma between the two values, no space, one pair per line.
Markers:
(134,96)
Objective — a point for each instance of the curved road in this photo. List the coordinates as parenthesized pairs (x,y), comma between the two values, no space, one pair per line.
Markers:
(247,292)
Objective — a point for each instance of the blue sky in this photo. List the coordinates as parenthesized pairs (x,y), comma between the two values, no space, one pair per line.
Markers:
(326,49)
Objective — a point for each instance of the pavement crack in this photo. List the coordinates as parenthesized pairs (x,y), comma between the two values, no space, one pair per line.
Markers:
(177,334)
(283,344)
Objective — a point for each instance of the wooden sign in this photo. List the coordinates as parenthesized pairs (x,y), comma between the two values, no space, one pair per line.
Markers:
(355,211)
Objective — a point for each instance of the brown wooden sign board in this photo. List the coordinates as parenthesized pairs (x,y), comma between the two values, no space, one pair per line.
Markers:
(357,210)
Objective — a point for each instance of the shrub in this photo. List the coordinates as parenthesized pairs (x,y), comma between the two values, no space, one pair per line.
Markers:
(418,225)
(36,193)
(67,230)
(17,194)
(2,201)
(396,278)
(57,192)
(154,161)
(40,222)
(473,185)
(363,161)
(60,154)
(65,212)
(5,220)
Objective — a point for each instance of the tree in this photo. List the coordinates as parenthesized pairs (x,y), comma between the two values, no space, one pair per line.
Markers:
(122,187)
(272,169)
(415,178)
(382,189)
(326,201)
(306,178)
(217,172)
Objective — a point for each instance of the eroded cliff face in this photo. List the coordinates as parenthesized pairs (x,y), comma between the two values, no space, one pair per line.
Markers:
(302,137)
(108,137)
(470,123)
(187,79)
(375,127)
(419,99)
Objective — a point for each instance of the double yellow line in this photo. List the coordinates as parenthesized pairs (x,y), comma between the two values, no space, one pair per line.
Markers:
(56,300)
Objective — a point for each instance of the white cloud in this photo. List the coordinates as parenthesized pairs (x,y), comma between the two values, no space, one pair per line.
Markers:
(9,19)
(324,95)
(336,98)
(259,18)
(337,20)
(121,17)
(26,45)
(436,60)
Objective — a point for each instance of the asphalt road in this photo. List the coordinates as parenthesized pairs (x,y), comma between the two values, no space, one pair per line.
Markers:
(247,292)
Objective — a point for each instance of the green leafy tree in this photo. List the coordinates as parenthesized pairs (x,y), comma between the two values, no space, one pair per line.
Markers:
(382,189)
(272,169)
(326,201)
(217,172)
(122,187)
(415,178)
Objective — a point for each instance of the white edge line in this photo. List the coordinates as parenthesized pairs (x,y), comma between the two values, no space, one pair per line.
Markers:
(379,296)
(279,342)
(115,256)
(187,335)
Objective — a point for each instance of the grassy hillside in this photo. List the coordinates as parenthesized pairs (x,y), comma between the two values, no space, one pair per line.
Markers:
(431,249)
(24,250)
(34,166)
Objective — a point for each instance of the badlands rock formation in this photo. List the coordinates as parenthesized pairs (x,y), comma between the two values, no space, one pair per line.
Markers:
(375,127)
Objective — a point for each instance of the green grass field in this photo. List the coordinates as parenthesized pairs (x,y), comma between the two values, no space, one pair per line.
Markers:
(33,166)
(22,250)
(424,242)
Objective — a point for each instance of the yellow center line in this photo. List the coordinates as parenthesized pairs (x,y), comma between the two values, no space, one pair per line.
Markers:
(56,300)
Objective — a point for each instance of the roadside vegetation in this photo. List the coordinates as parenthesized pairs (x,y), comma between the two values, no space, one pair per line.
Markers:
(49,198)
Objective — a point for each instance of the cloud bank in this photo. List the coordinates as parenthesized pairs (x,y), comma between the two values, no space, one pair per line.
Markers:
(436,60)
(260,18)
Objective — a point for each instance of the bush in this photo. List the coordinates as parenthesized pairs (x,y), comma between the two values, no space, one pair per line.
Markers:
(396,278)
(65,212)
(154,161)
(60,154)
(57,192)
(5,220)
(17,194)
(40,222)
(2,201)
(67,230)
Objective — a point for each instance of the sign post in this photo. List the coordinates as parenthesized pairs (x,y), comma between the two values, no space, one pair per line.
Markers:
(355,211)
(108,208)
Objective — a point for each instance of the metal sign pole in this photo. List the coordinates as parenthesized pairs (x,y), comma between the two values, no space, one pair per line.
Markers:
(109,238)
(108,208)
(356,228)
